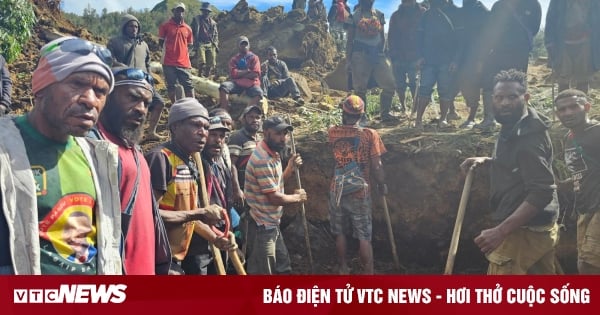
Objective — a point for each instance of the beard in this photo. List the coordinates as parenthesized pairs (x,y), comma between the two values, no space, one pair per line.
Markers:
(511,118)
(115,123)
(276,146)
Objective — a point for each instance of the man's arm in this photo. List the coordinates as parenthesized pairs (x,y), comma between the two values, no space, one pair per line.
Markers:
(280,199)
(6,87)
(238,192)
(210,214)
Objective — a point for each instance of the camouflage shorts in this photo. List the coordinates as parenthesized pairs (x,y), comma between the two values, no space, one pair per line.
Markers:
(588,239)
(352,213)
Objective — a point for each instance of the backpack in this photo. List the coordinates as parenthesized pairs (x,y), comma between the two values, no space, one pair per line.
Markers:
(349,179)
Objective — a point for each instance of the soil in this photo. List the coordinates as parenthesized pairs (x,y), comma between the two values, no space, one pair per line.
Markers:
(422,171)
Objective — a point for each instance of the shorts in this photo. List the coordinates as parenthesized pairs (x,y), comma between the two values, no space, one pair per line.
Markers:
(352,213)
(446,82)
(177,74)
(231,88)
(588,238)
(526,250)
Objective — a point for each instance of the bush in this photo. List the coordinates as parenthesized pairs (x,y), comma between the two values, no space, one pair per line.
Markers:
(17,20)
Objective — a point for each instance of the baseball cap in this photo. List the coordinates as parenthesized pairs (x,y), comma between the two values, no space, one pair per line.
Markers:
(277,123)
(242,39)
(251,108)
(353,105)
(179,5)
(216,123)
(205,7)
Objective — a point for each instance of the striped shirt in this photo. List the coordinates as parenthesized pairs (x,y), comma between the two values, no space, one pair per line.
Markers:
(264,175)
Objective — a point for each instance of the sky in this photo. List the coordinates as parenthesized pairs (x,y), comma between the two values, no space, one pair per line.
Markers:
(385,6)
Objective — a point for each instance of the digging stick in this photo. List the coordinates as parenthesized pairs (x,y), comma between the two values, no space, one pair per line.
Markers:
(464,198)
(388,221)
(237,264)
(303,209)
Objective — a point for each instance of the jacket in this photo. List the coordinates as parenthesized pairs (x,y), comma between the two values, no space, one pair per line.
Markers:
(5,84)
(205,31)
(19,201)
(121,47)
(402,35)
(521,170)
(474,19)
(554,32)
(438,37)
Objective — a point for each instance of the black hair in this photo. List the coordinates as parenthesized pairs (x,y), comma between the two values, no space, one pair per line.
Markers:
(512,75)
(579,95)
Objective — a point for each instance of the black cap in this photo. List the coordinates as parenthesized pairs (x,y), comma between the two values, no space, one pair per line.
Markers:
(277,123)
(250,108)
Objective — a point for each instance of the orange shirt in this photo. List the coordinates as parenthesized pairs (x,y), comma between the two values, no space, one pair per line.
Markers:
(177,38)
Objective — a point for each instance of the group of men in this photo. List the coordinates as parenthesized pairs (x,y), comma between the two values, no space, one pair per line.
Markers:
(163,212)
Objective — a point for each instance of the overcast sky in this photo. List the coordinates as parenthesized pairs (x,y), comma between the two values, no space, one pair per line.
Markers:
(386,6)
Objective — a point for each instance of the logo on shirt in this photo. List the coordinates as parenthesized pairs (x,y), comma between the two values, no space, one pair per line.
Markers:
(39,175)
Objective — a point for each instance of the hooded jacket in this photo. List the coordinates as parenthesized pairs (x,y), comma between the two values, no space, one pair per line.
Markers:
(121,47)
(521,170)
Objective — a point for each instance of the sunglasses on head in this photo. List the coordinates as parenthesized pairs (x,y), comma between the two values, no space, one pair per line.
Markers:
(82,47)
(135,74)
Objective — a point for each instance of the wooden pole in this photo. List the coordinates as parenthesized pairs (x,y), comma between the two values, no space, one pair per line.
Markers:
(388,221)
(459,221)
(303,209)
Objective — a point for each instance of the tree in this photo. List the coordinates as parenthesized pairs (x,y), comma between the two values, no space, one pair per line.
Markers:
(17,20)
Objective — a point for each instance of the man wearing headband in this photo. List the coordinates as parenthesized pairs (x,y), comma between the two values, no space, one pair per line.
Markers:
(175,182)
(582,156)
(59,173)
(122,123)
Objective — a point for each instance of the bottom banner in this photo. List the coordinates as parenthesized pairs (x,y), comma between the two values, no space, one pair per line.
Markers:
(299,294)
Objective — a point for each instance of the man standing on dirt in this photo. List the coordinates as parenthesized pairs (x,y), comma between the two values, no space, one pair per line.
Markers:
(439,49)
(176,180)
(573,42)
(244,73)
(339,14)
(474,15)
(131,50)
(266,197)
(176,38)
(402,47)
(316,11)
(366,58)
(49,172)
(206,40)
(507,41)
(122,123)
(276,78)
(352,144)
(5,87)
(522,189)
(582,156)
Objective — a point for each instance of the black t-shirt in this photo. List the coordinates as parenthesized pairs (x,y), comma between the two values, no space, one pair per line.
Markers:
(4,243)
(582,156)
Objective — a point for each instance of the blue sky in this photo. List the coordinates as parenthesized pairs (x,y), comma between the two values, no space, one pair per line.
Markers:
(386,6)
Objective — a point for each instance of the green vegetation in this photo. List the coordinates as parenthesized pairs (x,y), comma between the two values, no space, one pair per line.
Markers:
(17,21)
(106,24)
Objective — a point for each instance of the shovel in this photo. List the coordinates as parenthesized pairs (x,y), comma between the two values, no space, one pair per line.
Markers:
(464,198)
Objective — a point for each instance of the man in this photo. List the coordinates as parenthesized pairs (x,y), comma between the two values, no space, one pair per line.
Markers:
(316,10)
(438,48)
(206,40)
(572,42)
(175,182)
(402,48)
(365,56)
(176,38)
(582,156)
(522,189)
(507,40)
(362,147)
(5,87)
(276,78)
(339,14)
(241,145)
(131,50)
(57,170)
(266,197)
(244,75)
(474,15)
(122,123)
(299,4)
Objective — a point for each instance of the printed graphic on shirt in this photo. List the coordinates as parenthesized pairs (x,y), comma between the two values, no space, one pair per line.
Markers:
(68,234)
(39,175)
(575,163)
